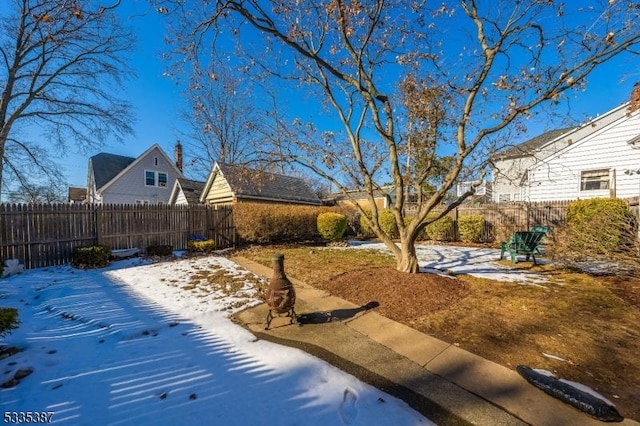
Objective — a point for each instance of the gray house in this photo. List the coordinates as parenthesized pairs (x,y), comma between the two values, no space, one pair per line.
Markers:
(147,179)
(229,184)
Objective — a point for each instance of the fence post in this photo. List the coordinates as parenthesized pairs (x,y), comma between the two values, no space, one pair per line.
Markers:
(97,210)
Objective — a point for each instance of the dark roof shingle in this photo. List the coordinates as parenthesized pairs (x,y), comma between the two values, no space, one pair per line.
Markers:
(107,166)
(529,147)
(76,194)
(191,190)
(257,184)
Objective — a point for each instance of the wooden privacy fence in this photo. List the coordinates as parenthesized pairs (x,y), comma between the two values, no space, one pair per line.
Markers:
(41,235)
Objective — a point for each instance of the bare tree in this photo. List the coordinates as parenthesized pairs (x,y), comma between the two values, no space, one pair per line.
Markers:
(224,119)
(62,62)
(488,66)
(33,193)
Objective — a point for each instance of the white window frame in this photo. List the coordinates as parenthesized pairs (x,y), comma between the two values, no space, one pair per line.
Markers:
(504,198)
(166,179)
(146,178)
(156,179)
(598,176)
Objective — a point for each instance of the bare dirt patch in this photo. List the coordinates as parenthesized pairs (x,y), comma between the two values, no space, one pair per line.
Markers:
(583,328)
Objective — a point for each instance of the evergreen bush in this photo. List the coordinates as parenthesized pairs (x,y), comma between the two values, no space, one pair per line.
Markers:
(90,256)
(332,226)
(600,225)
(8,320)
(160,250)
(471,228)
(387,222)
(441,229)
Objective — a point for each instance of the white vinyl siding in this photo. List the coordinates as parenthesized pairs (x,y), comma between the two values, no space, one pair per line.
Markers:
(591,163)
(132,184)
(181,199)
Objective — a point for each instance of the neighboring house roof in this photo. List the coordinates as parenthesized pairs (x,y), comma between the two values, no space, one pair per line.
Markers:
(529,147)
(108,166)
(359,194)
(77,194)
(192,189)
(249,184)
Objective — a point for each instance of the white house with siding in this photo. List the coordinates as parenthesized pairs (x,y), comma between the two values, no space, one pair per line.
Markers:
(147,179)
(605,163)
(511,166)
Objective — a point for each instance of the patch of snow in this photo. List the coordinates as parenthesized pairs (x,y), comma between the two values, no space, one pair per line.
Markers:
(474,261)
(587,389)
(579,386)
(127,345)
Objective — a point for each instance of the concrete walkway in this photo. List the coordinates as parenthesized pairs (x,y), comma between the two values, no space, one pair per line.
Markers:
(445,383)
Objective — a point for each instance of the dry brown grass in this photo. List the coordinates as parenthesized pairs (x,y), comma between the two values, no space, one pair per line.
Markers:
(593,323)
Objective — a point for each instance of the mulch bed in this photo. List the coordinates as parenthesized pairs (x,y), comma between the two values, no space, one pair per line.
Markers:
(418,295)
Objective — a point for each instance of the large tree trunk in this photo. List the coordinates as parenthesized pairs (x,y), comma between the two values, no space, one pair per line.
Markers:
(407,261)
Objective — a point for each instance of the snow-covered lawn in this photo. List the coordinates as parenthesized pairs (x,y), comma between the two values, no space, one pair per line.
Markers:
(478,262)
(139,343)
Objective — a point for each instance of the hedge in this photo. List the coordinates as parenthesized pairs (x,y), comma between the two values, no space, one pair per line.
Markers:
(276,223)
(600,225)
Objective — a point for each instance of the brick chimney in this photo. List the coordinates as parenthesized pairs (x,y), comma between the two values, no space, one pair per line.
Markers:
(635,98)
(178,156)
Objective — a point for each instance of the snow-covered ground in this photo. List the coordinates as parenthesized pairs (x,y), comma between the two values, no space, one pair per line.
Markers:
(139,343)
(454,260)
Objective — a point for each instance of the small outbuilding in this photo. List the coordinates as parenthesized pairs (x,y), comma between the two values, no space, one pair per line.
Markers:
(186,192)
(229,184)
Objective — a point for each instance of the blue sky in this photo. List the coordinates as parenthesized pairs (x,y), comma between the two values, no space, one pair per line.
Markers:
(158,100)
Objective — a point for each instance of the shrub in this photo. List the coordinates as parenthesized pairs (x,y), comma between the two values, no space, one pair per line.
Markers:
(332,226)
(440,230)
(387,222)
(471,227)
(599,226)
(159,250)
(8,320)
(90,256)
(203,246)
(271,223)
